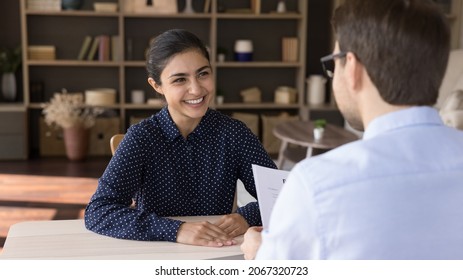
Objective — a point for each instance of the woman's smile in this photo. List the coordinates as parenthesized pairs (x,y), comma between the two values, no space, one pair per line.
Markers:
(194,101)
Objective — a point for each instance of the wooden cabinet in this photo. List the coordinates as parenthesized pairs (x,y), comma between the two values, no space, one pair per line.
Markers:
(218,28)
(13,134)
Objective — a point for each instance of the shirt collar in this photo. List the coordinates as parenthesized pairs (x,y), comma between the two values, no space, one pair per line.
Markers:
(170,130)
(418,115)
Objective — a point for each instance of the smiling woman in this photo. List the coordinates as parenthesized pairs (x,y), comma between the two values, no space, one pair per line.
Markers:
(183,161)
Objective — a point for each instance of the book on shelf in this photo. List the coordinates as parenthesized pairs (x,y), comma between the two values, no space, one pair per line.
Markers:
(255,6)
(93,50)
(207,6)
(104,48)
(116,52)
(85,47)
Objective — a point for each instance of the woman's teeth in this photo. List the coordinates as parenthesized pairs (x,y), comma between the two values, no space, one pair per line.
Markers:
(195,101)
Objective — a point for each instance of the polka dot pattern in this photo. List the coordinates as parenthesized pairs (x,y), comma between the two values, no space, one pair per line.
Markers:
(168,175)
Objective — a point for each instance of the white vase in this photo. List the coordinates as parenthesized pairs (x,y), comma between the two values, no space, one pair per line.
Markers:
(316,89)
(318,133)
(188,7)
(9,86)
(221,57)
(219,99)
(281,7)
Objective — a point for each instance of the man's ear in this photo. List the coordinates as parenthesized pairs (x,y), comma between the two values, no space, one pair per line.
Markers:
(155,86)
(354,72)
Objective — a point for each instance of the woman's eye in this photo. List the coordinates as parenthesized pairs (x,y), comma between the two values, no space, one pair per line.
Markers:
(179,80)
(203,74)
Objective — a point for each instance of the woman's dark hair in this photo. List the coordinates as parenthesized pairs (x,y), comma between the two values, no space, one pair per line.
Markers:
(168,44)
(403,44)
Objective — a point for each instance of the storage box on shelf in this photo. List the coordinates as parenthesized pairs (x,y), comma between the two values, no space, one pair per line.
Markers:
(52,142)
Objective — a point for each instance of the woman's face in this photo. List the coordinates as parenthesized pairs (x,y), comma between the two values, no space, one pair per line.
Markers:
(188,86)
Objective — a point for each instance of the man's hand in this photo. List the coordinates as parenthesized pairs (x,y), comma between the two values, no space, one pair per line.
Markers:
(203,234)
(233,224)
(251,243)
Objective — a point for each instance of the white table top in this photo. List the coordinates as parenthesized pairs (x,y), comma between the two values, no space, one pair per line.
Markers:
(69,239)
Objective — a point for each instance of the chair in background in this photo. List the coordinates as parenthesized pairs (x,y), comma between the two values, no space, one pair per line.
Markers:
(115,141)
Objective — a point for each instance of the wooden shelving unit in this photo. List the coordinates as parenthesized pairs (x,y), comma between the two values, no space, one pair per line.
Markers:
(67,29)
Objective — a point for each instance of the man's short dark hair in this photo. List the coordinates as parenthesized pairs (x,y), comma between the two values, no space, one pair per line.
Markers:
(403,44)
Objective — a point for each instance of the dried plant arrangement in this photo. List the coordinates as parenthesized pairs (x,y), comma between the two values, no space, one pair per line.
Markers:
(67,110)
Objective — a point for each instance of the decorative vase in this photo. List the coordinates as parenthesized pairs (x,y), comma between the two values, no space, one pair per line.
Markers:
(318,133)
(9,86)
(219,99)
(281,7)
(221,57)
(71,4)
(188,7)
(76,140)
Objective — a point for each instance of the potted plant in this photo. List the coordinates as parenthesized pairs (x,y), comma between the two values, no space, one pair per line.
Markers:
(68,111)
(319,129)
(10,60)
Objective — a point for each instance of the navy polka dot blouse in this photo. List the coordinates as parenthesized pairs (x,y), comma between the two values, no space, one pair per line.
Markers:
(167,175)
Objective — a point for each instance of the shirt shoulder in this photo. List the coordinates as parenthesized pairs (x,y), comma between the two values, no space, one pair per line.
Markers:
(146,131)
(222,123)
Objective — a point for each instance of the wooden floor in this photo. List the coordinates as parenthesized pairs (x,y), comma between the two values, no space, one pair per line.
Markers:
(46,189)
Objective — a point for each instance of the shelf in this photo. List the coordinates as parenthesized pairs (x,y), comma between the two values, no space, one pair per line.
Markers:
(269,16)
(142,106)
(41,106)
(81,13)
(167,16)
(258,64)
(234,64)
(256,106)
(12,107)
(322,107)
(73,63)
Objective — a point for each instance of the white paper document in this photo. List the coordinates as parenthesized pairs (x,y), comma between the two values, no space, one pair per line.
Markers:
(268,185)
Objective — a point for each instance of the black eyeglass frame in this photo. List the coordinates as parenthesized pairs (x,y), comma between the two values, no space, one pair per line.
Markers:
(324,60)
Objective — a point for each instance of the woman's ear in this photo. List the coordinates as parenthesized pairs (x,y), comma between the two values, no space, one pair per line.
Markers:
(155,86)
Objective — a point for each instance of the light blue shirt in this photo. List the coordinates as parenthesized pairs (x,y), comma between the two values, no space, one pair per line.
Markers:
(396,194)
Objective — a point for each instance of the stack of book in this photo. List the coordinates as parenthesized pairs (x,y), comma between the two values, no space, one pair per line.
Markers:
(44,5)
(101,48)
(41,52)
